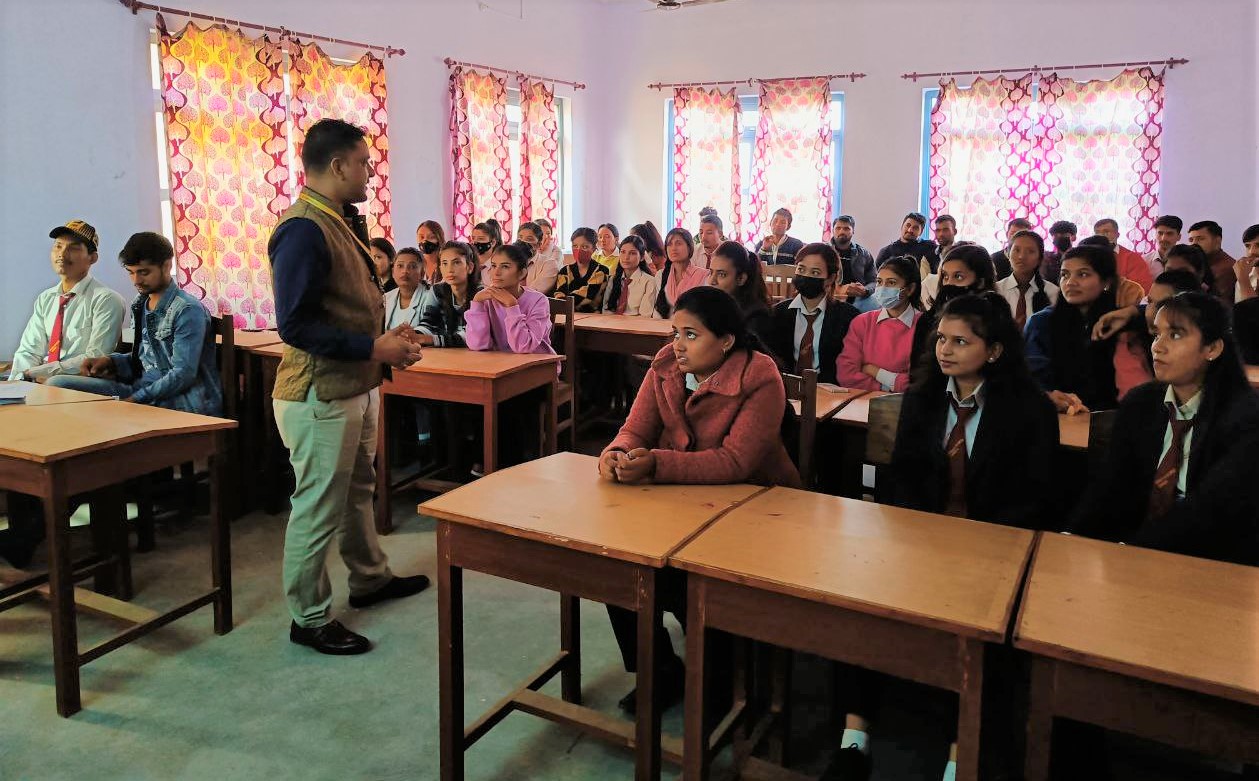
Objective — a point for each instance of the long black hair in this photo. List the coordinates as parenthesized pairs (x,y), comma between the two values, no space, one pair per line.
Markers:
(751,296)
(1226,379)
(618,278)
(989,316)
(1197,259)
(719,313)
(975,258)
(1040,299)
(906,267)
(650,236)
(1080,365)
(662,301)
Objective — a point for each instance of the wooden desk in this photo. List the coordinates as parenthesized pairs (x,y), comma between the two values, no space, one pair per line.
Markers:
(1073,431)
(44,395)
(1144,642)
(623,334)
(56,451)
(247,339)
(260,439)
(1252,374)
(485,378)
(553,523)
(830,402)
(906,593)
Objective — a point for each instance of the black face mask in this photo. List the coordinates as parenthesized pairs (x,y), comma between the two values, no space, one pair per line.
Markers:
(809,287)
(1062,243)
(949,292)
(482,247)
(429,247)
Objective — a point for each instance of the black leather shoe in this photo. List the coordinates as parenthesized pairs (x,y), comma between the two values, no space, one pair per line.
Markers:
(331,638)
(394,589)
(670,688)
(848,764)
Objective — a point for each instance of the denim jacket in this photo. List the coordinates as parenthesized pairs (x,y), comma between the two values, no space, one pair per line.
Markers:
(175,349)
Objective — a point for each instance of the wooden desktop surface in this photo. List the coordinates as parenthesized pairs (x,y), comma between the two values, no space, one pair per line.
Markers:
(562,500)
(625,324)
(830,402)
(1073,431)
(1176,620)
(45,395)
(1252,374)
(944,573)
(482,364)
(857,412)
(247,339)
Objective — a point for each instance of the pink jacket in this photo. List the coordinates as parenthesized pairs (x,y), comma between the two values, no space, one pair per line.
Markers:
(726,432)
(885,344)
(523,328)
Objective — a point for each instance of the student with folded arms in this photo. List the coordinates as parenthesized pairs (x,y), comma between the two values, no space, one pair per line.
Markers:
(505,315)
(877,348)
(808,331)
(634,287)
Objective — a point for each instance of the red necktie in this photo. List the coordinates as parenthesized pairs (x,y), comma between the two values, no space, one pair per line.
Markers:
(54,344)
(1167,476)
(1020,310)
(623,299)
(955,451)
(805,361)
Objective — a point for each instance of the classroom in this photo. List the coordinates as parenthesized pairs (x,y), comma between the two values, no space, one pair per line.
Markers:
(809,390)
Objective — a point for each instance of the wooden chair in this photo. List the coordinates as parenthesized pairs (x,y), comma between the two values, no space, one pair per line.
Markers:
(885,415)
(566,389)
(778,281)
(803,388)
(1101,425)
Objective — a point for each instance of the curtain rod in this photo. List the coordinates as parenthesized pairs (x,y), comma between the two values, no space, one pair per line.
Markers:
(452,63)
(1170,62)
(284,32)
(733,82)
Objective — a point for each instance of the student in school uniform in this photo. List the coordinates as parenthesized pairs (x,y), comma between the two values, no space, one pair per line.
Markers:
(738,272)
(505,315)
(1127,292)
(680,273)
(1191,258)
(542,273)
(77,318)
(486,237)
(876,350)
(1139,320)
(1001,258)
(711,235)
(808,331)
(430,238)
(778,247)
(582,280)
(442,321)
(955,455)
(1025,290)
(1080,373)
(383,255)
(405,302)
(1246,310)
(966,269)
(1179,474)
(634,287)
(549,250)
(708,413)
(607,239)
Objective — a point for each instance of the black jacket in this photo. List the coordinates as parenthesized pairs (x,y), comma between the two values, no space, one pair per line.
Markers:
(1001,264)
(1219,516)
(780,337)
(917,250)
(1009,472)
(441,318)
(1246,327)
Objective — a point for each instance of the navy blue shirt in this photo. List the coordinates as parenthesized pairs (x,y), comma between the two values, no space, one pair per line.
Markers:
(300,267)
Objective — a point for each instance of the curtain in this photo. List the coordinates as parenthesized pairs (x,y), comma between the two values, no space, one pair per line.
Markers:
(707,125)
(356,93)
(982,163)
(792,164)
(539,153)
(479,149)
(225,113)
(1105,139)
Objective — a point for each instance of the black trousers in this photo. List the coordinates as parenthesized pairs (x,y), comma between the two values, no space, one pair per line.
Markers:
(671,594)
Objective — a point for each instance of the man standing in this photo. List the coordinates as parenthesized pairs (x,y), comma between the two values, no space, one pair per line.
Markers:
(910,244)
(1062,234)
(326,398)
(778,247)
(856,262)
(1001,258)
(1210,237)
(1129,264)
(1166,235)
(75,319)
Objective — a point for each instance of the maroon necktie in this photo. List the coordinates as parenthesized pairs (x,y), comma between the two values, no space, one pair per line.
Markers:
(955,451)
(1020,310)
(805,361)
(1167,476)
(622,300)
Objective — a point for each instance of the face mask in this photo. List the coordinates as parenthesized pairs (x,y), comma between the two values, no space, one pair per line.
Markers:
(1062,243)
(429,247)
(482,247)
(809,287)
(581,255)
(949,292)
(887,297)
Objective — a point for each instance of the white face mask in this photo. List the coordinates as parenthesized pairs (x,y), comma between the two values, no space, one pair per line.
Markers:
(887,297)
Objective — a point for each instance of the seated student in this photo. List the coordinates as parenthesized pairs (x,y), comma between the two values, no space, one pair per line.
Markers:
(542,274)
(1062,235)
(680,273)
(1025,290)
(1246,310)
(808,331)
(708,413)
(778,247)
(77,318)
(1208,235)
(738,272)
(966,269)
(505,315)
(583,279)
(876,350)
(1179,472)
(1082,374)
(711,235)
(550,247)
(1167,230)
(1129,263)
(608,238)
(442,320)
(1001,258)
(1139,320)
(430,238)
(856,264)
(171,363)
(634,288)
(909,243)
(1127,293)
(1191,258)
(486,237)
(383,255)
(655,245)
(405,302)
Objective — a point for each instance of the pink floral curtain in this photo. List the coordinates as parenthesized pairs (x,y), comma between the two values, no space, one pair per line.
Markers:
(706,129)
(792,164)
(539,153)
(356,93)
(227,148)
(479,150)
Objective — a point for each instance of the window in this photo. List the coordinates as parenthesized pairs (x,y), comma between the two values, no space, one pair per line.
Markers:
(163,165)
(513,149)
(747,146)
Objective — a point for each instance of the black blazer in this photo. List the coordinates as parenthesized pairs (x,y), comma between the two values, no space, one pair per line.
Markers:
(1219,516)
(780,337)
(1246,327)
(1009,472)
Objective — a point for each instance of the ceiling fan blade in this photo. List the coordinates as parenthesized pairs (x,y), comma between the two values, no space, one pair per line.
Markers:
(690,3)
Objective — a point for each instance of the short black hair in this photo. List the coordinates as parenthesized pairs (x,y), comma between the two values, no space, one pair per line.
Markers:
(916,217)
(946,218)
(385,246)
(1170,221)
(1022,223)
(146,247)
(784,212)
(829,256)
(326,139)
(1179,280)
(1250,234)
(845,218)
(1210,226)
(1064,226)
(713,220)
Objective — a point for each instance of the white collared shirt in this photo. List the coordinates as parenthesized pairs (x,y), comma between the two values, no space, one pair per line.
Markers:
(1008,288)
(1183,412)
(976,399)
(802,325)
(90,328)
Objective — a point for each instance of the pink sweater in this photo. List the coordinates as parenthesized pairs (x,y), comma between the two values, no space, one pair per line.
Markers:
(524,328)
(885,344)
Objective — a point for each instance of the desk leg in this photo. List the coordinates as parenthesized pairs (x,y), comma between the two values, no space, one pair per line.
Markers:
(570,644)
(489,455)
(109,533)
(552,439)
(65,636)
(1040,721)
(970,702)
(450,657)
(694,739)
(220,544)
(647,728)
(384,501)
(780,704)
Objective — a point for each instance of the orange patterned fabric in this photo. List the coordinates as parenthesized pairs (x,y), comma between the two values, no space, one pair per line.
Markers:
(792,164)
(706,128)
(225,124)
(323,89)
(539,153)
(479,150)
